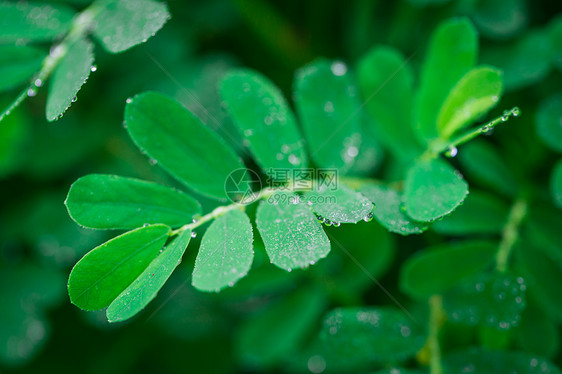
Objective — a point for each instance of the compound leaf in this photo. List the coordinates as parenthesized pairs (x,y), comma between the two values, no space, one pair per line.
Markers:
(339,205)
(226,252)
(70,74)
(112,202)
(145,288)
(103,273)
(292,235)
(180,143)
(264,118)
(122,24)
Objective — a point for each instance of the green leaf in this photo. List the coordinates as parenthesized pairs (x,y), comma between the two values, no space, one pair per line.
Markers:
(481,213)
(18,64)
(70,74)
(292,235)
(329,109)
(338,205)
(386,82)
(372,335)
(122,24)
(543,227)
(524,62)
(452,51)
(264,118)
(536,333)
(500,19)
(491,299)
(389,211)
(183,146)
(280,330)
(435,270)
(226,252)
(474,94)
(482,361)
(549,121)
(556,184)
(555,34)
(145,288)
(14,135)
(112,202)
(482,162)
(102,274)
(433,189)
(33,21)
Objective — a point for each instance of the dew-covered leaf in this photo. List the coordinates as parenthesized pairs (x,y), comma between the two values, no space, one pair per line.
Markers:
(433,189)
(339,204)
(122,24)
(482,163)
(477,360)
(556,184)
(372,335)
(33,21)
(389,211)
(481,213)
(292,235)
(69,75)
(452,51)
(226,252)
(113,202)
(472,96)
(435,270)
(389,101)
(180,143)
(549,121)
(524,62)
(329,109)
(18,64)
(265,119)
(490,299)
(555,34)
(500,19)
(145,288)
(102,274)
(280,330)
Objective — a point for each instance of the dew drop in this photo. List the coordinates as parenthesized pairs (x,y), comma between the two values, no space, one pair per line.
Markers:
(248,132)
(328,107)
(352,151)
(451,152)
(289,270)
(129,100)
(516,111)
(152,161)
(146,224)
(193,234)
(38,82)
(31,92)
(74,99)
(505,117)
(336,224)
(93,68)
(368,217)
(327,222)
(338,68)
(230,284)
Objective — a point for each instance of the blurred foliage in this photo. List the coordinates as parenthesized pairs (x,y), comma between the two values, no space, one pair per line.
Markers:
(273,320)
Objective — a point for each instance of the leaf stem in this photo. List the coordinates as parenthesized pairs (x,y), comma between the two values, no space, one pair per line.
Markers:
(436,319)
(510,233)
(81,25)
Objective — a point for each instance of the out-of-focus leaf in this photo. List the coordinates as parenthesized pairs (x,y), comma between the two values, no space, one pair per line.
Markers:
(145,288)
(433,189)
(555,33)
(523,62)
(536,333)
(371,153)
(265,119)
(388,211)
(500,19)
(69,75)
(292,235)
(556,184)
(481,162)
(543,227)
(481,213)
(493,299)
(497,362)
(113,202)
(280,330)
(18,64)
(452,51)
(225,254)
(339,205)
(122,24)
(329,108)
(180,143)
(435,270)
(389,100)
(102,274)
(549,121)
(474,94)
(13,137)
(33,21)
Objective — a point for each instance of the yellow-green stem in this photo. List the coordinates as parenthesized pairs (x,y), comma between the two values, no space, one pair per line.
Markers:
(436,319)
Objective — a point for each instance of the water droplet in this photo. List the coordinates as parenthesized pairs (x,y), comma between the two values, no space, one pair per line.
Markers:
(505,117)
(328,107)
(279,156)
(289,270)
(230,284)
(338,68)
(31,92)
(129,100)
(74,99)
(146,224)
(268,120)
(312,262)
(368,217)
(152,161)
(320,218)
(451,152)
(294,160)
(193,234)
(516,111)
(38,82)
(352,151)
(267,101)
(337,224)
(327,222)
(316,364)
(248,132)
(93,68)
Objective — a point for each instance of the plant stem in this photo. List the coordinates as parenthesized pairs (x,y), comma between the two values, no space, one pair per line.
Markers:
(81,25)
(510,233)
(436,319)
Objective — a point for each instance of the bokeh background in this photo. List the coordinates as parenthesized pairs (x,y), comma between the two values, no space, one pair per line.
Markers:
(183,330)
